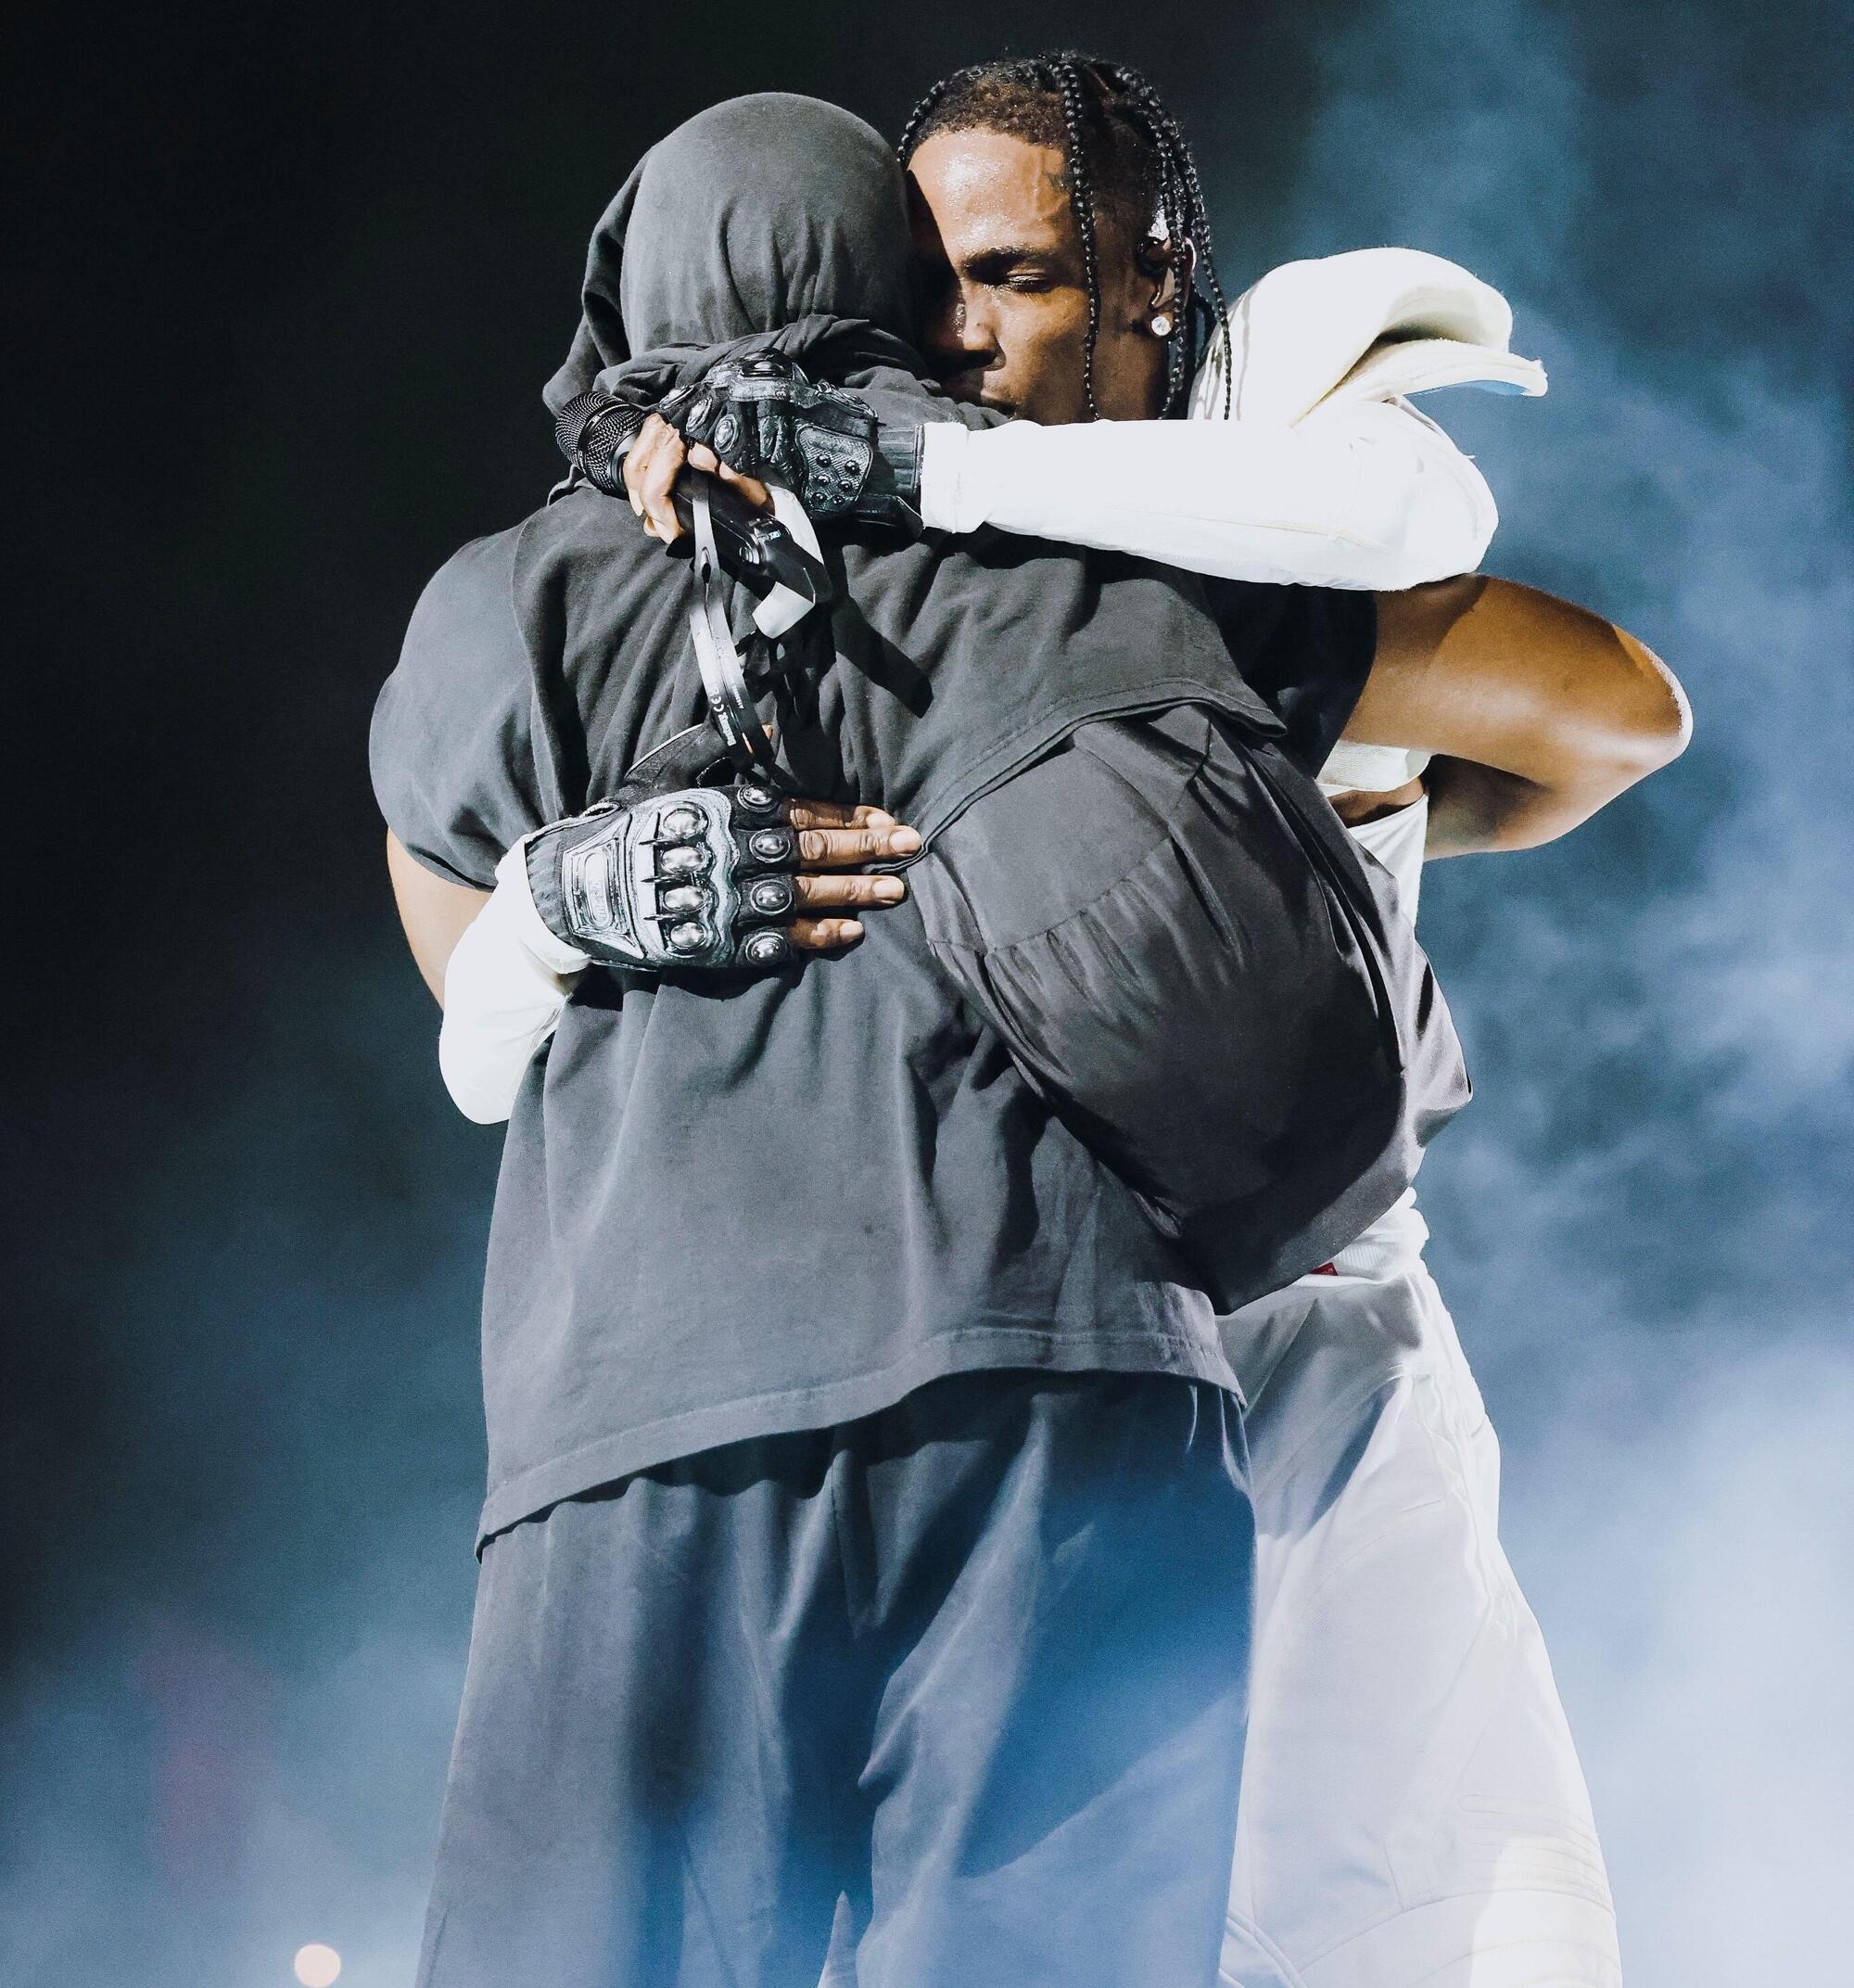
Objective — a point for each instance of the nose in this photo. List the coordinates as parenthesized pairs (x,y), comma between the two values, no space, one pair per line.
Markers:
(958,338)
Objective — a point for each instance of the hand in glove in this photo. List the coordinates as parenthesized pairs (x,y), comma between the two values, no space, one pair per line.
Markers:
(765,420)
(707,877)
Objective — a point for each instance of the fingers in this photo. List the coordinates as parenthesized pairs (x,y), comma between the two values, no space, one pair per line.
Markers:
(837,814)
(824,935)
(835,835)
(845,848)
(655,461)
(840,893)
(637,457)
(750,487)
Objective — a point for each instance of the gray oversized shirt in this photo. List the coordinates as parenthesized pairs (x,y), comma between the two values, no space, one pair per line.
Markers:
(733,1206)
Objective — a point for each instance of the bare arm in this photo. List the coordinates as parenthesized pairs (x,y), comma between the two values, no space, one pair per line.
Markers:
(435,912)
(1539,712)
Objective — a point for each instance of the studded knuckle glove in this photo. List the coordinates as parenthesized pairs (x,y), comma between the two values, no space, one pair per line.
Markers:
(763,417)
(704,877)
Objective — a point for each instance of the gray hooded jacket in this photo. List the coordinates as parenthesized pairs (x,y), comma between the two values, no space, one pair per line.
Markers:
(1142,1042)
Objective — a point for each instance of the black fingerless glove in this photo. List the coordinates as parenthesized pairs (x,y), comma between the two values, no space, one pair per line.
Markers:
(702,877)
(763,417)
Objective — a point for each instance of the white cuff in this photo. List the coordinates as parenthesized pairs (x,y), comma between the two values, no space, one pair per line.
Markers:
(1299,330)
(505,986)
(526,924)
(943,455)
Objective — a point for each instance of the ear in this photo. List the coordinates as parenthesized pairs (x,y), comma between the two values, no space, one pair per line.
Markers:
(1170,272)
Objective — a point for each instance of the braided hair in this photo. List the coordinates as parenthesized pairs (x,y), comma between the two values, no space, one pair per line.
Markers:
(1124,151)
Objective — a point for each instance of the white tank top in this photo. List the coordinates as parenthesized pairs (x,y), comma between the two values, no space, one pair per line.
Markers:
(1397,840)
(1394,1242)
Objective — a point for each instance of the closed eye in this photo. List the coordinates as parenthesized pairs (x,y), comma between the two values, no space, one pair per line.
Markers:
(1012,269)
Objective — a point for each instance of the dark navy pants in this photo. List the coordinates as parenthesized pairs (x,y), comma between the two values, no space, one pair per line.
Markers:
(976,1664)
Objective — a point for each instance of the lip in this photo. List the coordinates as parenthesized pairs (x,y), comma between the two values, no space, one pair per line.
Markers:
(968,389)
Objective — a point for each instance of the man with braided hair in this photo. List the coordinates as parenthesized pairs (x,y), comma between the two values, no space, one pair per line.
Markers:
(1413,1809)
(1127,172)
(1412,1806)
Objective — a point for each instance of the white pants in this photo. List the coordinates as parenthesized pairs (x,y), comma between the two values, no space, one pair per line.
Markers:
(1412,1810)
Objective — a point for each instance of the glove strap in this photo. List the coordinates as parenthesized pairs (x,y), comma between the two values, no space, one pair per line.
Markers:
(724,675)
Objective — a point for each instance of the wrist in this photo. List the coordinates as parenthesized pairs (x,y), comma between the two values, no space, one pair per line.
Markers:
(892,492)
(515,896)
(693,879)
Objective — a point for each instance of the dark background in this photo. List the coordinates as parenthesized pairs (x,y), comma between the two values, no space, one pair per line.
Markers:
(290,283)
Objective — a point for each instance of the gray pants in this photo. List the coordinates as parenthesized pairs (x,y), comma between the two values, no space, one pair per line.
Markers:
(976,1664)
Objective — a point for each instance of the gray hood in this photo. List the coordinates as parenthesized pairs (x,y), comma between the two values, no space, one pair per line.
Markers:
(771,219)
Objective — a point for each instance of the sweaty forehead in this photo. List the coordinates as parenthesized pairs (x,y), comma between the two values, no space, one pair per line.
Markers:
(980,191)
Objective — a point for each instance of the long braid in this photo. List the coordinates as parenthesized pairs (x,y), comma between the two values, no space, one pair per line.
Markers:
(1138,155)
(1178,164)
(1201,236)
(1082,199)
(1174,214)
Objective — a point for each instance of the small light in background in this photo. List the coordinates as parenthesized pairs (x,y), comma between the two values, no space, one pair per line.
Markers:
(316,1967)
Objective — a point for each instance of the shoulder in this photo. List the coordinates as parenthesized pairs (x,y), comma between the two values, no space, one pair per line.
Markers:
(464,656)
(463,636)
(475,583)
(502,602)
(490,569)
(449,745)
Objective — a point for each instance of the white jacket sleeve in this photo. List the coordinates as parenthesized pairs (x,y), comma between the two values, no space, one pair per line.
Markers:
(504,989)
(1324,476)
(1368,495)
